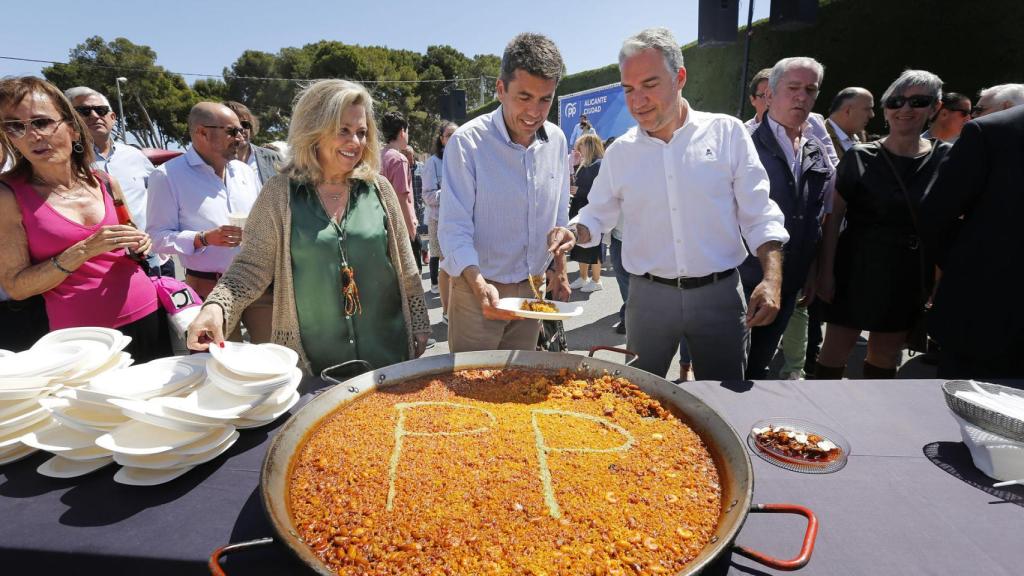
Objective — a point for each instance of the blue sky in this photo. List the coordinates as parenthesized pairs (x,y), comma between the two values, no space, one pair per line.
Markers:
(205,36)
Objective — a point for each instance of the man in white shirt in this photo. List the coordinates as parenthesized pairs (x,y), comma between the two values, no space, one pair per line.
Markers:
(190,198)
(758,94)
(802,177)
(848,116)
(691,189)
(127,164)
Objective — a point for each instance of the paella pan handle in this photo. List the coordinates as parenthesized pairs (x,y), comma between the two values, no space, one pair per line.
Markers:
(805,550)
(629,362)
(214,563)
(325,373)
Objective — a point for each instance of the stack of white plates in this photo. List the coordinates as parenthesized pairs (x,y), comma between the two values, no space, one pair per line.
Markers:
(21,413)
(103,351)
(81,415)
(262,377)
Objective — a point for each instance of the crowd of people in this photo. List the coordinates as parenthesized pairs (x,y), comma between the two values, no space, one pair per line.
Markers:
(728,238)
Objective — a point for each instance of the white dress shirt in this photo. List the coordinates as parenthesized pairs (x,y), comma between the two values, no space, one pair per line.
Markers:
(500,199)
(186,196)
(689,203)
(130,167)
(845,140)
(431,178)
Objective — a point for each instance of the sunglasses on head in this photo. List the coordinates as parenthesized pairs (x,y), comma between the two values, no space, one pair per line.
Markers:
(85,111)
(43,126)
(231,131)
(918,101)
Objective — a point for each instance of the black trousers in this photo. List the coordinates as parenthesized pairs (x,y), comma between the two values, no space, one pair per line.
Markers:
(150,337)
(22,322)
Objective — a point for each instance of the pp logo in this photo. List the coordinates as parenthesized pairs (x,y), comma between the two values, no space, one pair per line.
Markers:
(181,299)
(570,109)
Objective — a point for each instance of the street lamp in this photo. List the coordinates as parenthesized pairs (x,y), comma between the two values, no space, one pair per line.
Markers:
(120,108)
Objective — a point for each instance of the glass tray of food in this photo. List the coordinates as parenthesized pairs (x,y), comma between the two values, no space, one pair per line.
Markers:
(799,445)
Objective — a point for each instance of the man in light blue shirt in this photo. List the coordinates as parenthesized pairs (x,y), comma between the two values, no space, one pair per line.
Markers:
(506,185)
(128,165)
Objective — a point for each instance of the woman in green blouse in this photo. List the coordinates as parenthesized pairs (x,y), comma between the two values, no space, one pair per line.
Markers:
(328,234)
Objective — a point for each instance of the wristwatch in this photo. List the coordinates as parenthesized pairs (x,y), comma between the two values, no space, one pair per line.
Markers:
(202,238)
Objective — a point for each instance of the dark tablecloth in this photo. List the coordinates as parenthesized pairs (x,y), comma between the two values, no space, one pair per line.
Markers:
(908,502)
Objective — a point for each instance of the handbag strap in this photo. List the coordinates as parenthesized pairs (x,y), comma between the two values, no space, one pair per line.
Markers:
(913,212)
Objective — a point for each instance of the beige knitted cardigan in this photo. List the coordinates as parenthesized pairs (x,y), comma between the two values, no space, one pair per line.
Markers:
(266,257)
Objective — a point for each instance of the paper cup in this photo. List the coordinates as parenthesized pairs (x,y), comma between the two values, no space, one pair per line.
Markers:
(237,219)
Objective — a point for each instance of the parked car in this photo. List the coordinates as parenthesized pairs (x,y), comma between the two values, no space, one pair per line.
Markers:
(158,155)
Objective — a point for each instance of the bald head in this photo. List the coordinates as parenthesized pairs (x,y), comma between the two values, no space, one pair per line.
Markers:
(852,109)
(210,114)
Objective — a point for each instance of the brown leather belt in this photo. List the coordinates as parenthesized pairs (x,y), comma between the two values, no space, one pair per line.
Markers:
(689,283)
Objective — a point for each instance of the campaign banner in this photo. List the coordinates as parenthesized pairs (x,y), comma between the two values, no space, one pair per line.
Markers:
(605,108)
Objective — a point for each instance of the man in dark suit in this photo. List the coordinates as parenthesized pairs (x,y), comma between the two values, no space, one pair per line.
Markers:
(801,177)
(848,115)
(970,219)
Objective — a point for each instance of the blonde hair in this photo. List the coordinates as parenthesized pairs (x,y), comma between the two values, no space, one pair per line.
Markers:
(591,149)
(317,113)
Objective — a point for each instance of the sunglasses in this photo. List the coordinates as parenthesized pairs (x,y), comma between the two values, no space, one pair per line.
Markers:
(231,131)
(978,110)
(85,111)
(246,125)
(43,126)
(759,95)
(960,111)
(918,101)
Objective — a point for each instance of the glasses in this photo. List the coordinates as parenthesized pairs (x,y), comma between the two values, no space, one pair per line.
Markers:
(246,125)
(918,101)
(759,95)
(960,111)
(85,111)
(977,110)
(231,131)
(43,126)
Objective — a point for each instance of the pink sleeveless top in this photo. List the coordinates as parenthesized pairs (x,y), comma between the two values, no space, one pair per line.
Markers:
(109,290)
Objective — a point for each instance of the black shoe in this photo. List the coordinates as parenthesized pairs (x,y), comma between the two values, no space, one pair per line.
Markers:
(621,328)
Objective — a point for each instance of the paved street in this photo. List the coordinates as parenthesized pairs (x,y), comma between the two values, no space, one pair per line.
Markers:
(596,327)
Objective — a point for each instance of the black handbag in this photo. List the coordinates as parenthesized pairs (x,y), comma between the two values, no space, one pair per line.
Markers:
(917,336)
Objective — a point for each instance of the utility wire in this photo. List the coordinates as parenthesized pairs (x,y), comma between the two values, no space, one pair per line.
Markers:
(234,77)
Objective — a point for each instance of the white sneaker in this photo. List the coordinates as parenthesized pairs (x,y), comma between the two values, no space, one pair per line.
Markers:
(592,286)
(435,289)
(578,283)
(444,318)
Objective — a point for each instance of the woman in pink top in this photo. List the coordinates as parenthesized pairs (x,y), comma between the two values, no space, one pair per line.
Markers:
(59,233)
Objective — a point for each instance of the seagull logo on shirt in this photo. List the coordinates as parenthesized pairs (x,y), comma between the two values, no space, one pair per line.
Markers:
(709,154)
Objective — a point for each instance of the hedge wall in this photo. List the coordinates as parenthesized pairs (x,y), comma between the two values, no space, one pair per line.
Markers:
(970,45)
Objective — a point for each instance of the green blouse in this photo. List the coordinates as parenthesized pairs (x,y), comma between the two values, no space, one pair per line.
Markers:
(378,334)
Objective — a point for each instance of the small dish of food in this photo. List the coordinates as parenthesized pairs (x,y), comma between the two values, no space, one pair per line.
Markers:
(799,445)
(540,309)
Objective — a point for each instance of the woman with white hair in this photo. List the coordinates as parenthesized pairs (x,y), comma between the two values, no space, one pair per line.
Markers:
(873,273)
(328,234)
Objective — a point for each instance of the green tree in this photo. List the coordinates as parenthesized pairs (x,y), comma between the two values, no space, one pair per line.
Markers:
(156,102)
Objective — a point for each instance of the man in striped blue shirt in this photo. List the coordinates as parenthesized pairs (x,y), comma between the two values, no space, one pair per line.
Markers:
(506,185)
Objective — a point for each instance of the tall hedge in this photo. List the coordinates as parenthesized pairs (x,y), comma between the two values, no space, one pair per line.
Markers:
(970,45)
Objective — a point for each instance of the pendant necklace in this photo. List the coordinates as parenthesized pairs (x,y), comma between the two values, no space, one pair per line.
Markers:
(349,289)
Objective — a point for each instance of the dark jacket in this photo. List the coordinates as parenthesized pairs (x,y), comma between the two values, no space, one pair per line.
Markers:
(802,202)
(976,308)
(266,163)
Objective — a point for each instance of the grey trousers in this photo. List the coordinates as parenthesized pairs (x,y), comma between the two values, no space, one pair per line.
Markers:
(712,317)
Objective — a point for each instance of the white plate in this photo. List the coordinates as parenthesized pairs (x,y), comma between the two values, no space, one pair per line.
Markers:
(57,438)
(255,360)
(9,408)
(25,417)
(281,396)
(87,453)
(12,436)
(154,414)
(5,353)
(60,467)
(84,417)
(142,438)
(566,310)
(46,361)
(143,477)
(164,461)
(158,378)
(262,418)
(88,396)
(244,386)
(202,457)
(15,453)
(22,393)
(214,438)
(23,383)
(118,361)
(211,401)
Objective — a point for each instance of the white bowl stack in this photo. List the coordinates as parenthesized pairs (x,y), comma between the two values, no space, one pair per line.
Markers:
(82,415)
(27,379)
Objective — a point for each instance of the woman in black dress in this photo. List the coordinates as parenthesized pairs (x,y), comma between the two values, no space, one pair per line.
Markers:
(591,151)
(873,273)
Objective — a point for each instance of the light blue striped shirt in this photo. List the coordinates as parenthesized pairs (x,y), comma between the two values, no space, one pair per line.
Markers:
(500,199)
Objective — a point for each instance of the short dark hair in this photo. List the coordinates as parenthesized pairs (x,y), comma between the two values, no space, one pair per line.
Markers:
(392,123)
(949,98)
(243,113)
(761,76)
(534,54)
(844,96)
